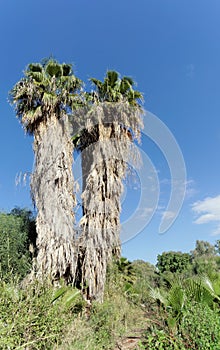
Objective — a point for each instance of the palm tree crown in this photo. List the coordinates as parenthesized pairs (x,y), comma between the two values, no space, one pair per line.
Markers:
(47,87)
(116,89)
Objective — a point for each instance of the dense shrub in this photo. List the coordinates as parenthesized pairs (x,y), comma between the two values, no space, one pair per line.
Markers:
(14,254)
(32,319)
(200,328)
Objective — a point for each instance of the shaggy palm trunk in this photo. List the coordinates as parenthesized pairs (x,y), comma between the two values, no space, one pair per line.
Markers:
(103,168)
(52,191)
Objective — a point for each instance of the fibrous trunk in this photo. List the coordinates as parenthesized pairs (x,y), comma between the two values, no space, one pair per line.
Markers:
(52,191)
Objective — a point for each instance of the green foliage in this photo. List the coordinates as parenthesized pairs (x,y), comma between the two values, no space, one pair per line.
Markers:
(15,233)
(206,264)
(175,262)
(146,277)
(47,87)
(114,89)
(200,327)
(203,248)
(182,313)
(29,318)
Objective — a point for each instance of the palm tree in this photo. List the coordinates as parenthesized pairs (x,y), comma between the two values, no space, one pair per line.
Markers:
(43,98)
(111,122)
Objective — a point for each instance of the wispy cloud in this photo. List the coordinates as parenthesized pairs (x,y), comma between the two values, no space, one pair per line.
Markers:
(190,70)
(190,189)
(146,212)
(168,215)
(190,186)
(208,211)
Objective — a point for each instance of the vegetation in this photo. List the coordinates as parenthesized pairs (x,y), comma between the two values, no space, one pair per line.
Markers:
(16,229)
(173,305)
(163,309)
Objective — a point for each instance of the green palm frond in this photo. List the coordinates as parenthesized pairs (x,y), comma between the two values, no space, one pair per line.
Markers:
(37,76)
(114,89)
(111,78)
(176,298)
(35,67)
(97,83)
(67,69)
(49,99)
(125,85)
(53,69)
(157,295)
(196,291)
(129,80)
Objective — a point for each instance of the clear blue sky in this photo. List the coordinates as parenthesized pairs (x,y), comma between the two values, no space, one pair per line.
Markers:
(172,50)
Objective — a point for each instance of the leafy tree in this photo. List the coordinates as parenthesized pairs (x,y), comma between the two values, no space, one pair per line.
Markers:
(208,265)
(203,248)
(205,259)
(43,98)
(110,122)
(15,230)
(29,226)
(175,262)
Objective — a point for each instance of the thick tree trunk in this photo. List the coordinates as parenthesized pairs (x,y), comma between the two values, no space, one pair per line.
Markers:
(103,168)
(52,191)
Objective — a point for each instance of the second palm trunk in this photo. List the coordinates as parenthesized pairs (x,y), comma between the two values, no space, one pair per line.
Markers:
(103,168)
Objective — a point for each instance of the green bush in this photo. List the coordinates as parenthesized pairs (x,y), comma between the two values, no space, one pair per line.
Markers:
(14,254)
(200,328)
(32,319)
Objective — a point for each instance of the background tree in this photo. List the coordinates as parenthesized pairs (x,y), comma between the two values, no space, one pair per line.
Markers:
(16,228)
(29,226)
(203,248)
(43,99)
(175,262)
(111,121)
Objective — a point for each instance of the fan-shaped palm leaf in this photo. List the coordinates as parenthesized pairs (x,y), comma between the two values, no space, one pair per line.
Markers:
(111,78)
(67,69)
(35,67)
(53,69)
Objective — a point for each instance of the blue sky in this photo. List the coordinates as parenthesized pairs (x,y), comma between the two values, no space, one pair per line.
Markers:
(172,50)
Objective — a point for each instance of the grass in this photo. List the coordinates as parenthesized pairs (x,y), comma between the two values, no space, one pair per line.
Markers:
(39,316)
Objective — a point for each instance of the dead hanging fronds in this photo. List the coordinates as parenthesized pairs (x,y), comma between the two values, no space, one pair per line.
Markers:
(52,190)
(122,114)
(22,178)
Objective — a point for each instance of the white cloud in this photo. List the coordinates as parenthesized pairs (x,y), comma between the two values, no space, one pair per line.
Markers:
(145,213)
(208,211)
(168,215)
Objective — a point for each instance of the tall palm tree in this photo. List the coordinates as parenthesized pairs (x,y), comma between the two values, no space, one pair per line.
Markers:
(43,98)
(111,122)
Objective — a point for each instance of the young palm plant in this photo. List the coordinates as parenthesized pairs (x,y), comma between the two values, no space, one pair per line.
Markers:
(43,98)
(112,121)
